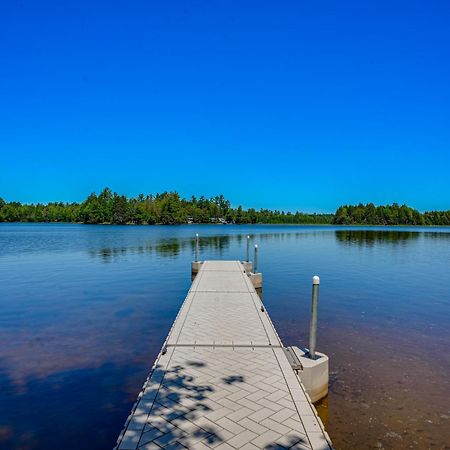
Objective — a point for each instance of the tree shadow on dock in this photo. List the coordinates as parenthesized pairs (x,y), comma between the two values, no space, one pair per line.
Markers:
(171,411)
(292,443)
(233,379)
(178,410)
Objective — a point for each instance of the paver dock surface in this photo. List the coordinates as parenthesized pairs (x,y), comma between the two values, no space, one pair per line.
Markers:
(222,380)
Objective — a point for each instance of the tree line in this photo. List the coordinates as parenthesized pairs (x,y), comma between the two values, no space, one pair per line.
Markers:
(394,214)
(169,208)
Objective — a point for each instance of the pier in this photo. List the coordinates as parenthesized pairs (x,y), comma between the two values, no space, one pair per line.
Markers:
(223,379)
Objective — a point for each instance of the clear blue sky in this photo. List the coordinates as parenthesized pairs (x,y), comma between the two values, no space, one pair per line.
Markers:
(290,105)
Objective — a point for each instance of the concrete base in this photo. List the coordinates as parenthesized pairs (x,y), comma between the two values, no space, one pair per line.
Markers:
(247,266)
(256,279)
(314,374)
(195,267)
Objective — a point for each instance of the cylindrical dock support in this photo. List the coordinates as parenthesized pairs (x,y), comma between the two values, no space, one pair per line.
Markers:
(248,248)
(313,323)
(196,247)
(255,262)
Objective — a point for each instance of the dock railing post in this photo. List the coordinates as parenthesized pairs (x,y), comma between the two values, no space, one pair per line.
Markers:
(255,262)
(313,323)
(248,248)
(196,247)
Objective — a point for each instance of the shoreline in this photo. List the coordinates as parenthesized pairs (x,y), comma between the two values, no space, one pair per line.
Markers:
(364,225)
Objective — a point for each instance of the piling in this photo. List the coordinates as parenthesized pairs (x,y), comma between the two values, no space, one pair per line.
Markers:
(313,323)
(196,247)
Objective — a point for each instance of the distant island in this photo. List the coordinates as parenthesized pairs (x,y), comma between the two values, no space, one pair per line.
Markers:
(169,208)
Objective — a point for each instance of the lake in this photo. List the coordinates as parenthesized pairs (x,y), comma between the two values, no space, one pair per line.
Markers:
(85,309)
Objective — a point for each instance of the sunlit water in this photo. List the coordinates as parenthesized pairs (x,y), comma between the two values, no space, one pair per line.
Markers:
(84,311)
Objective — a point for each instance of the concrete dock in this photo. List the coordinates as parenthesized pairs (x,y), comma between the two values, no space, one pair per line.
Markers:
(222,379)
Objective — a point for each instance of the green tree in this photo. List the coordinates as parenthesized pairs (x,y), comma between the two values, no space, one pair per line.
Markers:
(119,209)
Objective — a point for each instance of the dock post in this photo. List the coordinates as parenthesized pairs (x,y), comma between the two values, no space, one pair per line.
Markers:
(314,373)
(196,247)
(255,262)
(196,264)
(313,323)
(255,276)
(248,248)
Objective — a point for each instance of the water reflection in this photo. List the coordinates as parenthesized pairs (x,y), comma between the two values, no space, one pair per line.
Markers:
(173,247)
(165,247)
(369,238)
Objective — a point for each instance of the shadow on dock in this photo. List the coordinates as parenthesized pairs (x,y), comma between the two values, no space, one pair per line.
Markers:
(174,408)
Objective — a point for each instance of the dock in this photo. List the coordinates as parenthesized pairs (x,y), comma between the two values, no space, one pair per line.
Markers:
(223,379)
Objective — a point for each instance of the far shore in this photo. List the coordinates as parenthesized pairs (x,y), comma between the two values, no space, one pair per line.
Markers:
(329,225)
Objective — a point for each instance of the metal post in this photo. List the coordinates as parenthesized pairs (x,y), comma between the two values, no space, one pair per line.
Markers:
(255,262)
(313,323)
(196,247)
(248,248)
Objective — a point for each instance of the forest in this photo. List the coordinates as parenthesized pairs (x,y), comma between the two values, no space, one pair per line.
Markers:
(394,214)
(169,208)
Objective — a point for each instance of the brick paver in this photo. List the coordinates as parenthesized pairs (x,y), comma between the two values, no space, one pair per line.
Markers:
(222,380)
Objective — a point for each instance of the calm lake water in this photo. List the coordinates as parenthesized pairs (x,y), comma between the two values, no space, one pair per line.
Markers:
(84,311)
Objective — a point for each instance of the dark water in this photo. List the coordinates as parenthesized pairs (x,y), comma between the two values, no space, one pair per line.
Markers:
(84,311)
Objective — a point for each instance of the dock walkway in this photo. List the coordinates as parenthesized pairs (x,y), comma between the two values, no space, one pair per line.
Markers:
(222,380)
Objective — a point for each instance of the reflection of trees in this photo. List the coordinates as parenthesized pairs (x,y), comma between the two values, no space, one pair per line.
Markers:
(368,238)
(218,243)
(165,247)
(172,247)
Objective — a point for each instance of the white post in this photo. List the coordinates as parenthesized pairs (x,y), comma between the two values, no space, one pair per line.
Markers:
(313,323)
(196,247)
(255,269)
(248,248)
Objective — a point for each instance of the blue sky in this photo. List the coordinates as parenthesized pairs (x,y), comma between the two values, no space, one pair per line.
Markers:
(291,105)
